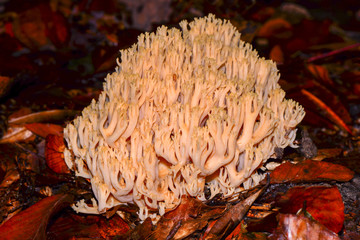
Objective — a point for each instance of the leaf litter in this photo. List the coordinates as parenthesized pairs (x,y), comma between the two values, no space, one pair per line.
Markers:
(52,68)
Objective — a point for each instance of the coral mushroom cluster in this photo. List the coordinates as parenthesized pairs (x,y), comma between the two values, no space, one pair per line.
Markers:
(185,110)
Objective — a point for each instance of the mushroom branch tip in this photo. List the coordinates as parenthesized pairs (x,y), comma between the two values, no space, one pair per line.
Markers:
(184,111)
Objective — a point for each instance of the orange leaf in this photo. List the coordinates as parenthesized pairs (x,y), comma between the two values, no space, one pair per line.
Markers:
(320,73)
(276,54)
(325,204)
(54,154)
(32,222)
(44,129)
(274,27)
(327,111)
(310,171)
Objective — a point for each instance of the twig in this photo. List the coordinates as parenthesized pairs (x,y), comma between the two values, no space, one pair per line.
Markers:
(334,52)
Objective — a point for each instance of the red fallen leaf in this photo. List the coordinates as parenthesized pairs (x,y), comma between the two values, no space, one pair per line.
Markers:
(325,204)
(276,54)
(263,14)
(44,129)
(292,227)
(327,111)
(56,26)
(315,114)
(273,27)
(296,44)
(34,27)
(241,233)
(320,73)
(29,28)
(32,222)
(67,226)
(5,84)
(9,29)
(54,154)
(310,171)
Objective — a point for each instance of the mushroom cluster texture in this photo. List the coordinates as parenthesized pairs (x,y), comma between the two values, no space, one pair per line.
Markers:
(185,110)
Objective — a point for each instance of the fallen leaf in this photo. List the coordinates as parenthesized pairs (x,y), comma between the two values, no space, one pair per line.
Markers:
(327,111)
(29,28)
(327,153)
(54,154)
(56,26)
(17,134)
(141,231)
(44,129)
(293,227)
(263,14)
(276,54)
(45,116)
(68,226)
(8,165)
(191,215)
(274,27)
(310,171)
(320,73)
(232,217)
(240,233)
(5,85)
(20,113)
(266,224)
(325,204)
(32,222)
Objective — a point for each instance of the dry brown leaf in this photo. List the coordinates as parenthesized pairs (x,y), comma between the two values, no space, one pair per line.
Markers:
(232,217)
(17,134)
(190,216)
(45,116)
